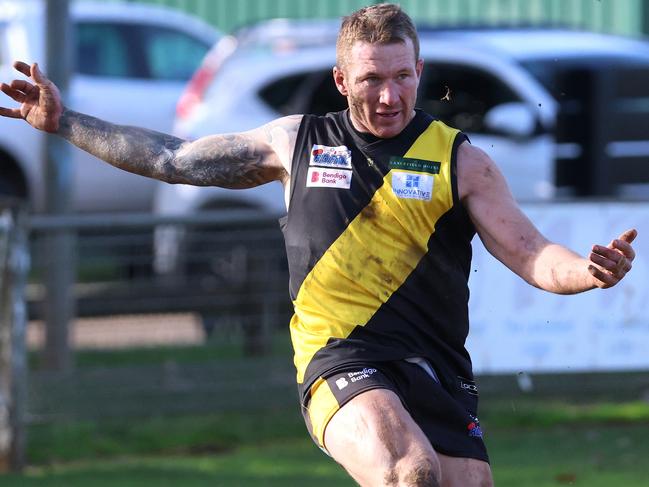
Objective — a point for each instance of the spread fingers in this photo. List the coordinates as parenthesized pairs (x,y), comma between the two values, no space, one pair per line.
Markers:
(616,263)
(15,94)
(604,277)
(23,68)
(624,247)
(10,112)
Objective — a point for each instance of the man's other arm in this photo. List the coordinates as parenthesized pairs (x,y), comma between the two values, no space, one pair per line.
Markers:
(510,236)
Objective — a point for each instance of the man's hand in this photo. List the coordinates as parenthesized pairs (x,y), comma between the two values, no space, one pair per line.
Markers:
(611,263)
(40,101)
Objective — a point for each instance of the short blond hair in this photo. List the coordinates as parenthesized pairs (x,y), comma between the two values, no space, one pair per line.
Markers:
(384,23)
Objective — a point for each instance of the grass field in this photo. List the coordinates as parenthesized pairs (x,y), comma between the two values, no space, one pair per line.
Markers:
(533,441)
(540,445)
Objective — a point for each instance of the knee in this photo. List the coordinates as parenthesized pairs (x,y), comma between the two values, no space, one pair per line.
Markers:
(415,471)
(484,477)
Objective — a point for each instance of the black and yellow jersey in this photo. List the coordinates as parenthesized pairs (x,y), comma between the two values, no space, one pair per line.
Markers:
(379,248)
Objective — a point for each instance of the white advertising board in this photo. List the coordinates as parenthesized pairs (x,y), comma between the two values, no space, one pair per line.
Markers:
(518,328)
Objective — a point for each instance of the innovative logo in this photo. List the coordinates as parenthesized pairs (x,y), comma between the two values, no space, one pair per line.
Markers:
(339,157)
(412,186)
(412,181)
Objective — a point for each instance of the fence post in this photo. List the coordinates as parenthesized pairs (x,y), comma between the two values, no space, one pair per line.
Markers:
(59,304)
(14,264)
(255,343)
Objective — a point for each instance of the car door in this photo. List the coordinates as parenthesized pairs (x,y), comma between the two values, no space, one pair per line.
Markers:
(127,73)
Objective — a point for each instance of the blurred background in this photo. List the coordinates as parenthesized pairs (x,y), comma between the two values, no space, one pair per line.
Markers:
(144,326)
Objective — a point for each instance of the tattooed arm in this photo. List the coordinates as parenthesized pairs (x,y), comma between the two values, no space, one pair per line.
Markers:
(240,160)
(236,161)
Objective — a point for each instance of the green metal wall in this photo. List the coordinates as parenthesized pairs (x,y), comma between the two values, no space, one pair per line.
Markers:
(627,17)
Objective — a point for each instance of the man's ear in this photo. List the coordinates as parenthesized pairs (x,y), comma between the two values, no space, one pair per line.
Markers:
(419,67)
(340,80)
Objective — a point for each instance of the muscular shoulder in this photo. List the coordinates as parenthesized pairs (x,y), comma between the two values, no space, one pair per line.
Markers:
(288,125)
(280,135)
(477,173)
(277,138)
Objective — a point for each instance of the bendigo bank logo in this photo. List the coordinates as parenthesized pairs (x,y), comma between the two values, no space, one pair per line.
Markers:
(342,383)
(355,376)
(318,177)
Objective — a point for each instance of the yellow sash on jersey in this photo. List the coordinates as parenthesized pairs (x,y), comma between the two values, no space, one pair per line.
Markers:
(375,254)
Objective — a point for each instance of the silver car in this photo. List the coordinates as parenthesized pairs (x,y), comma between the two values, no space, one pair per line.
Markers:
(132,63)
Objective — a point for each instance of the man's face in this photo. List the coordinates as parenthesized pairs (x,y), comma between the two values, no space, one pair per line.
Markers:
(380,82)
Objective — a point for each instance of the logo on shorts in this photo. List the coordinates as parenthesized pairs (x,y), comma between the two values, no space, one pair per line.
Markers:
(342,383)
(474,427)
(361,374)
(468,386)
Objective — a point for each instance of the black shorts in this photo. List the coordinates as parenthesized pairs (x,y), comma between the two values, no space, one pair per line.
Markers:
(449,422)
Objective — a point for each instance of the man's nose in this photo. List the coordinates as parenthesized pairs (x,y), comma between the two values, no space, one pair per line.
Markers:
(389,94)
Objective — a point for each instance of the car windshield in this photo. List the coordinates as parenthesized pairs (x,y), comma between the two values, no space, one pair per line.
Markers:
(120,49)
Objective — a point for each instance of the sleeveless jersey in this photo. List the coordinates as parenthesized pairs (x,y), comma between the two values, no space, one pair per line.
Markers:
(379,248)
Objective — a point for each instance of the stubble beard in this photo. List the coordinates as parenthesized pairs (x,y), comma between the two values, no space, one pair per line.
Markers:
(356,109)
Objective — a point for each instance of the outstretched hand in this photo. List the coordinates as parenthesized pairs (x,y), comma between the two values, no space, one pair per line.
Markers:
(611,263)
(40,100)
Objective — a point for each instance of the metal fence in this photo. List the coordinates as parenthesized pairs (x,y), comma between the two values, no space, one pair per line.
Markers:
(229,289)
(627,17)
(227,264)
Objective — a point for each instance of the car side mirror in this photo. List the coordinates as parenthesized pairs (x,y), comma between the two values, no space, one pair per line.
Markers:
(511,119)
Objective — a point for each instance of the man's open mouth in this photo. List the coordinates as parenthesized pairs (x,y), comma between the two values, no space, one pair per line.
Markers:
(388,114)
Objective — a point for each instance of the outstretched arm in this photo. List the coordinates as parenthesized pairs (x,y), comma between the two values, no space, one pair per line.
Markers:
(510,236)
(239,160)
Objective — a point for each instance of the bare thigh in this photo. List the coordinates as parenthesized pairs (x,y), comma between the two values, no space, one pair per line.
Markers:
(465,472)
(376,440)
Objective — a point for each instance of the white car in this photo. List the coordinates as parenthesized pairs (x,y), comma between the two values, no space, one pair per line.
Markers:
(500,86)
(132,63)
